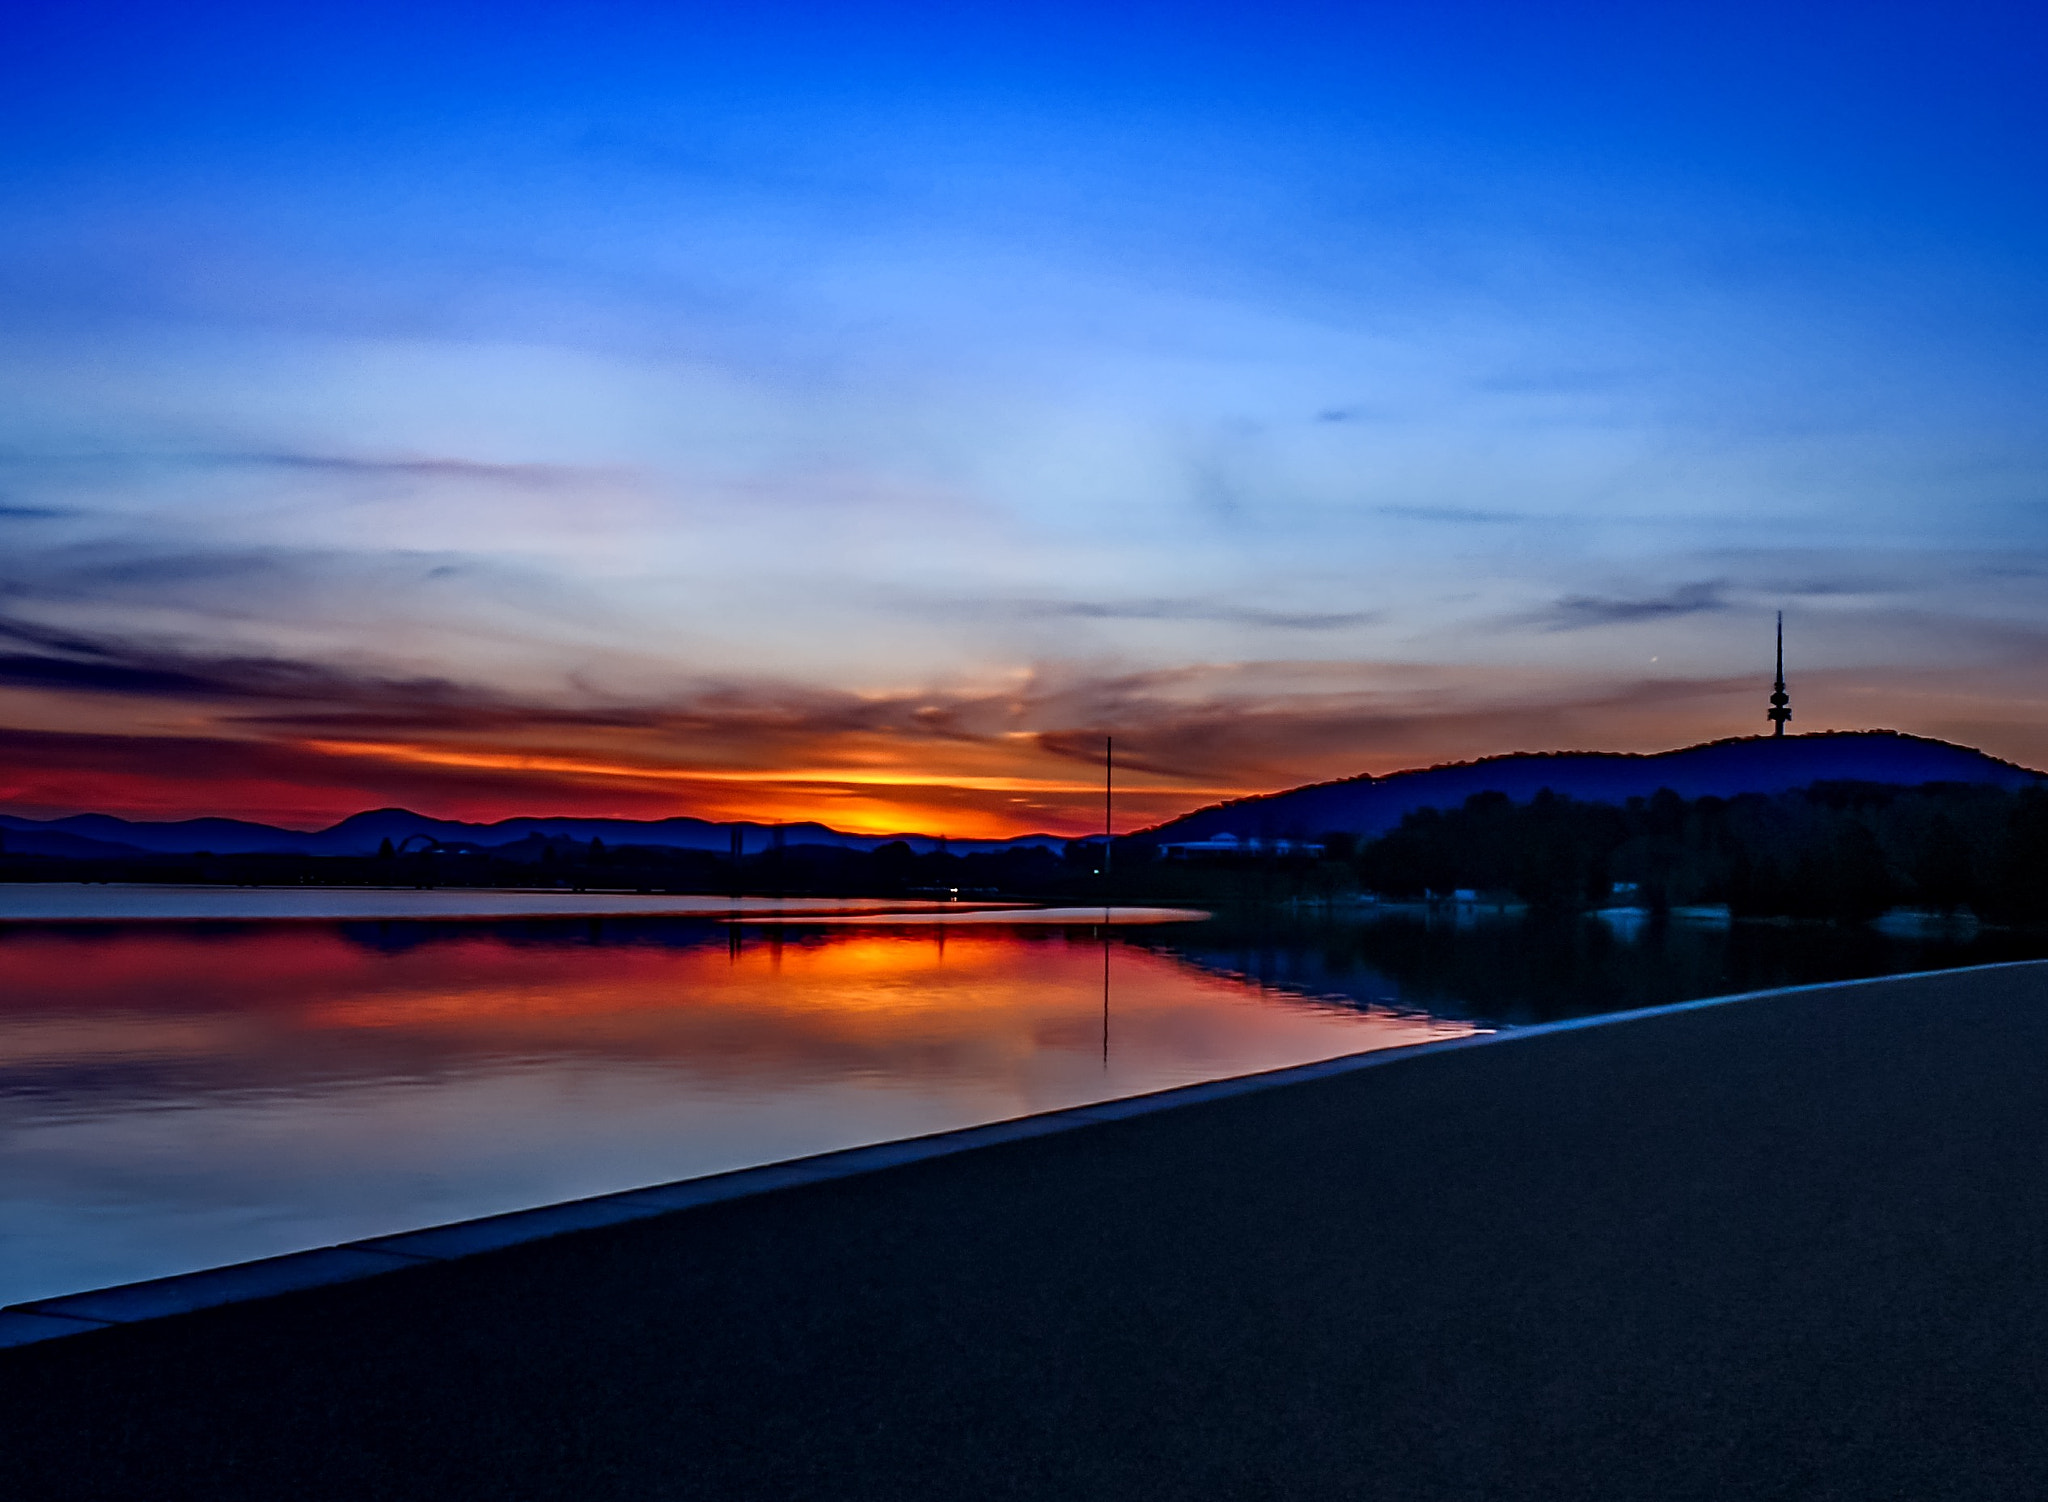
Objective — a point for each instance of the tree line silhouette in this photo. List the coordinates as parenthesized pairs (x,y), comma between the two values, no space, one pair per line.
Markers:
(1840,851)
(1836,850)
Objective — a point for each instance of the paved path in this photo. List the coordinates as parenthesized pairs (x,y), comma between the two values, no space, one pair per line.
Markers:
(1788,1248)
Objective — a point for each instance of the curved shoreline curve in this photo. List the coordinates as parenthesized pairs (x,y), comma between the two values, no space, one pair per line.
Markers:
(70,1314)
(1788,1249)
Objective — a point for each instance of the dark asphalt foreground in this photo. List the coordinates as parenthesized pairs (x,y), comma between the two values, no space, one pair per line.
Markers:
(1795,1247)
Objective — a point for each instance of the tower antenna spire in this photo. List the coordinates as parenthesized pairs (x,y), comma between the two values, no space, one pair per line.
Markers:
(1781,702)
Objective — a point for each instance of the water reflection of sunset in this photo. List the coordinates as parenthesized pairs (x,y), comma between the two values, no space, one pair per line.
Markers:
(486,993)
(238,1090)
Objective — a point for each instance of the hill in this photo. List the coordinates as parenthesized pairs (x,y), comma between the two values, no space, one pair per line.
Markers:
(104,835)
(1363,805)
(1367,806)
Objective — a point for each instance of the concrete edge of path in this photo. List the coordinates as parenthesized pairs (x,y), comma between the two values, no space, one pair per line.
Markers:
(128,1303)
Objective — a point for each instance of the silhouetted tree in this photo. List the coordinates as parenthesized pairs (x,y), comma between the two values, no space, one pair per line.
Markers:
(2018,889)
(1941,869)
(1841,851)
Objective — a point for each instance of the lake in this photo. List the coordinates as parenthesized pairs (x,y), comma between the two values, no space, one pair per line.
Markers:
(175,1095)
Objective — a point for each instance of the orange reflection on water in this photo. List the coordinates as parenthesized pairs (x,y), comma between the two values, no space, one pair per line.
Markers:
(174,1097)
(927,1003)
(751,991)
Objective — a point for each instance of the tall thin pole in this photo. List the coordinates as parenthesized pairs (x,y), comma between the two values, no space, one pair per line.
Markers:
(1108,819)
(1108,841)
(1105,996)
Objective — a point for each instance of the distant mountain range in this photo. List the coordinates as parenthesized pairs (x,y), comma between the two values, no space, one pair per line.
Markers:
(1368,805)
(1363,805)
(103,836)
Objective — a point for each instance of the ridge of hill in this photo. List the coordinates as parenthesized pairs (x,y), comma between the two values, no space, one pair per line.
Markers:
(1367,805)
(105,836)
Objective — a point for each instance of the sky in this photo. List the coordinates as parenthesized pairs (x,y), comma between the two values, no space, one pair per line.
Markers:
(859,412)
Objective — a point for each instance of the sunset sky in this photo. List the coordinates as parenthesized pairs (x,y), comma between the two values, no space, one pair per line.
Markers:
(856,412)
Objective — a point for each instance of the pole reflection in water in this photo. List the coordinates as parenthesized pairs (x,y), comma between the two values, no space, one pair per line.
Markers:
(174,1097)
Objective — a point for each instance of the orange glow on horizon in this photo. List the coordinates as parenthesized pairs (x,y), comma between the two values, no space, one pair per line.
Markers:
(856,800)
(828,777)
(975,781)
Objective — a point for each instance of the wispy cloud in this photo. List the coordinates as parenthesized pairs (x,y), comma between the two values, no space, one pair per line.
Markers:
(1465,515)
(34,634)
(1198,610)
(1844,587)
(95,571)
(521,476)
(1578,612)
(114,665)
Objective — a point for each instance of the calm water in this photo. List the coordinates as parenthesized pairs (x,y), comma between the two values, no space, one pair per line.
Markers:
(1509,972)
(175,1096)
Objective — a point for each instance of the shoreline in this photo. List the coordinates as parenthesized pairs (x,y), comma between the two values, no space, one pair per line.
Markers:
(37,1320)
(1785,1249)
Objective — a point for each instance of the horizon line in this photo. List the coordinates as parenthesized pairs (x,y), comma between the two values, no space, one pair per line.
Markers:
(1038,834)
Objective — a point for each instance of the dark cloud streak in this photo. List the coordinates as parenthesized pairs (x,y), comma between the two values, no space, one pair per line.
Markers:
(178,568)
(19,670)
(522,476)
(1459,515)
(1580,612)
(1195,610)
(111,665)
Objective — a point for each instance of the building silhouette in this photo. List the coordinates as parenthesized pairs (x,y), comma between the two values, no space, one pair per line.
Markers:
(1781,702)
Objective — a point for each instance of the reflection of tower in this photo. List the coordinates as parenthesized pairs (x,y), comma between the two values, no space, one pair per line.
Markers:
(1781,702)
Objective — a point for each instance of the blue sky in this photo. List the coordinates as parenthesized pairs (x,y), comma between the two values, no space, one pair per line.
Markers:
(854,412)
